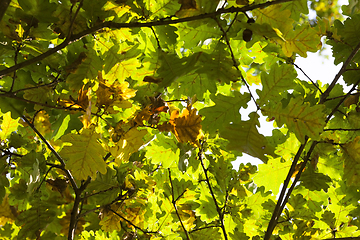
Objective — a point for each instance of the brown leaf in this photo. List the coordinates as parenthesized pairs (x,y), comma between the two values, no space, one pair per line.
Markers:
(186,126)
(353,99)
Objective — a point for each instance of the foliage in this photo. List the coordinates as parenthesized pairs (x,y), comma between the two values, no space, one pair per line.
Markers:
(121,119)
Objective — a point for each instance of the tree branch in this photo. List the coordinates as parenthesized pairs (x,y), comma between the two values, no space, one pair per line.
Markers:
(4,4)
(62,162)
(115,25)
(218,209)
(342,129)
(342,100)
(174,204)
(278,210)
(75,211)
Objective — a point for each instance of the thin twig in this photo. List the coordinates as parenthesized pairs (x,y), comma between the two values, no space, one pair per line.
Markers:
(235,63)
(202,228)
(15,61)
(10,95)
(174,204)
(339,74)
(218,209)
(302,167)
(62,162)
(129,222)
(43,180)
(341,101)
(308,78)
(114,25)
(342,129)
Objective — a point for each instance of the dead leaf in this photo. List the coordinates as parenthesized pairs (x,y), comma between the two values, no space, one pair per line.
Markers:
(185,126)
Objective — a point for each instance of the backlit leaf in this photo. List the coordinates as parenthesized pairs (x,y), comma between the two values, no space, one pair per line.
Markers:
(299,117)
(85,155)
(8,125)
(352,162)
(225,110)
(185,126)
(301,40)
(128,144)
(244,137)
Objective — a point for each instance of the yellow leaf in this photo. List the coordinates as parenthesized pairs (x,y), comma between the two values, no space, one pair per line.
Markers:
(8,125)
(128,144)
(42,123)
(115,94)
(85,156)
(187,126)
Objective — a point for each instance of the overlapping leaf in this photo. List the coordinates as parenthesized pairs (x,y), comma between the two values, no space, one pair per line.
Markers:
(225,110)
(301,118)
(244,137)
(185,126)
(279,80)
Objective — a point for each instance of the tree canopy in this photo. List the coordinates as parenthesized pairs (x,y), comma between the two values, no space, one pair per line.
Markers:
(120,119)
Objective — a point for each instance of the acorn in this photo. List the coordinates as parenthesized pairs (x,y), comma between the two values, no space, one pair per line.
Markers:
(247,35)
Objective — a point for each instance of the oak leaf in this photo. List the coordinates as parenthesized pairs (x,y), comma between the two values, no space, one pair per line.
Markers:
(129,143)
(112,95)
(185,126)
(8,125)
(85,156)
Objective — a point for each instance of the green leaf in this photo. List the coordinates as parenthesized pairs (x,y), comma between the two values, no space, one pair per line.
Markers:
(315,181)
(277,82)
(225,110)
(244,137)
(300,40)
(163,151)
(272,174)
(85,155)
(299,117)
(35,219)
(351,155)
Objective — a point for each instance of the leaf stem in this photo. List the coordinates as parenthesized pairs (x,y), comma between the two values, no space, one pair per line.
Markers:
(129,222)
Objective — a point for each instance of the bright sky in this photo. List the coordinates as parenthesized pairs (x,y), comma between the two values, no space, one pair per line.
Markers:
(317,67)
